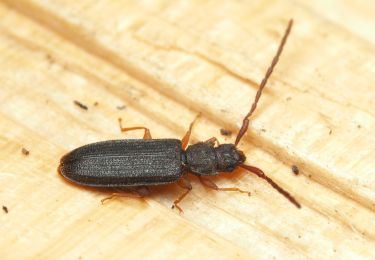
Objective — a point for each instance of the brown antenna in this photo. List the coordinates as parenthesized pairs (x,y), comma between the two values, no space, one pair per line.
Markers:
(262,175)
(245,122)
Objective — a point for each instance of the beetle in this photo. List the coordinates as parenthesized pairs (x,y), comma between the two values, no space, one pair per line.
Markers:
(137,163)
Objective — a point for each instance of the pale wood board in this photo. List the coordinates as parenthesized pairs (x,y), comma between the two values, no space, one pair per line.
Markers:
(166,61)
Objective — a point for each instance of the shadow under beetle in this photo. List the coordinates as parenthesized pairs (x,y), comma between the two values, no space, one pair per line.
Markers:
(135,164)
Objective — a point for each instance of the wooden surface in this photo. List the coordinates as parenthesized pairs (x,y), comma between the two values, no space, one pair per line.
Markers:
(165,61)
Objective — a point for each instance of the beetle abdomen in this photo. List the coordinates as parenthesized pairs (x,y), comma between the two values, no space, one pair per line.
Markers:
(122,163)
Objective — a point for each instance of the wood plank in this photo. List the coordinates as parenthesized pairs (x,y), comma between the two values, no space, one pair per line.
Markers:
(165,62)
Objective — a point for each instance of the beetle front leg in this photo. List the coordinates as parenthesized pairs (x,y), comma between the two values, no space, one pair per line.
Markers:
(147,134)
(184,183)
(138,192)
(210,184)
(212,141)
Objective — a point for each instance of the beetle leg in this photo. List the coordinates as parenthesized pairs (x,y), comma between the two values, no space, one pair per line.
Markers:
(185,184)
(210,184)
(212,141)
(138,192)
(147,134)
(185,139)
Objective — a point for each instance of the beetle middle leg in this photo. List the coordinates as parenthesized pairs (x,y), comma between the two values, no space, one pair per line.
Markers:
(146,135)
(138,192)
(185,139)
(210,184)
(184,183)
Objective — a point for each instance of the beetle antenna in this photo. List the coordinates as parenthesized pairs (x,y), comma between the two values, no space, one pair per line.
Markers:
(245,122)
(262,175)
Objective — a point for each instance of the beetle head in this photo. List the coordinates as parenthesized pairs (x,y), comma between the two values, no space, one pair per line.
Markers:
(228,157)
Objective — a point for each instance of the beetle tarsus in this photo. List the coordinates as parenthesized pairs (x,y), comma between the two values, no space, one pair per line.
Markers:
(138,192)
(210,184)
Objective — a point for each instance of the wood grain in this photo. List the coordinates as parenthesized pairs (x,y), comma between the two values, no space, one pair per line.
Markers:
(165,61)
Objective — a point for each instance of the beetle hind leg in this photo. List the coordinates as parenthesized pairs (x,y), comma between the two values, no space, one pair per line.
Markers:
(146,135)
(185,184)
(138,192)
(210,184)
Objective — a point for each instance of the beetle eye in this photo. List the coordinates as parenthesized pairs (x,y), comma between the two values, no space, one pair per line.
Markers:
(242,156)
(230,168)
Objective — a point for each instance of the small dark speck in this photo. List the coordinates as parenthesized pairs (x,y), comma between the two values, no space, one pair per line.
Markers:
(25,151)
(299,236)
(359,126)
(5,209)
(50,59)
(96,103)
(225,132)
(263,130)
(295,169)
(309,175)
(121,107)
(330,131)
(288,98)
(79,104)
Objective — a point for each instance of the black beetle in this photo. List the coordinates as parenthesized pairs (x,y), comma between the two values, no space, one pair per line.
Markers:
(134,164)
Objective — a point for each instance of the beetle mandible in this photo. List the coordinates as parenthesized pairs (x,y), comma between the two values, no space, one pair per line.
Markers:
(137,163)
